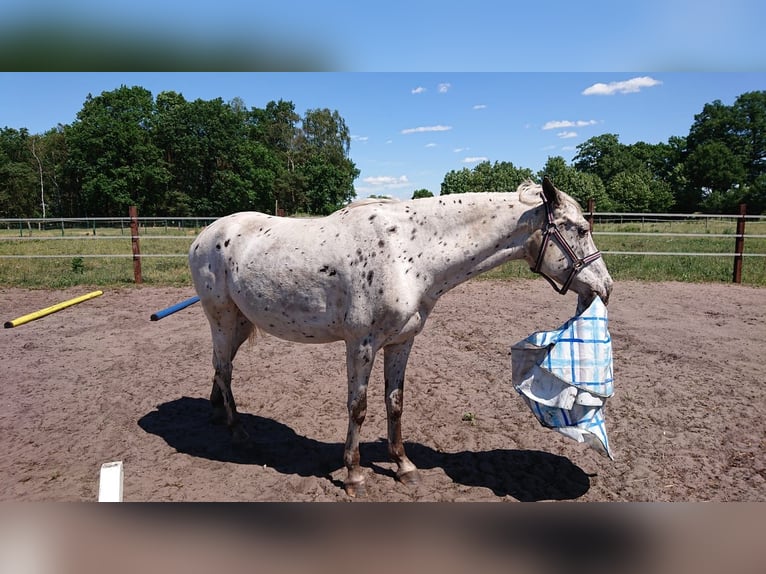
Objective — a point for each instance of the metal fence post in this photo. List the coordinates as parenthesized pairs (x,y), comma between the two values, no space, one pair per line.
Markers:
(133,212)
(739,244)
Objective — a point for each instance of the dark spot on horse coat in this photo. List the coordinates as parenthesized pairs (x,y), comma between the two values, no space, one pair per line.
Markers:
(218,246)
(226,243)
(369,277)
(392,229)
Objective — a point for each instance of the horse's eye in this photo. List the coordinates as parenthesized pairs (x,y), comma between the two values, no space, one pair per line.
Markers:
(583,231)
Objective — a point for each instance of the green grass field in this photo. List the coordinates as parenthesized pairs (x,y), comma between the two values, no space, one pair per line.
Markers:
(105,259)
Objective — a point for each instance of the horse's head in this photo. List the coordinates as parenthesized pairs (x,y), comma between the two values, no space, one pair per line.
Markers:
(561,249)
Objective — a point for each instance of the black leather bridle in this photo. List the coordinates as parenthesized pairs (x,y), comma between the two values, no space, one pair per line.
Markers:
(551,232)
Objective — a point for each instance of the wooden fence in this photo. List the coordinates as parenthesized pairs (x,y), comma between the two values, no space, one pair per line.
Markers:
(135,228)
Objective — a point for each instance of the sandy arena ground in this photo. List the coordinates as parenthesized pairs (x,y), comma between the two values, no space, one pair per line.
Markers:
(100,382)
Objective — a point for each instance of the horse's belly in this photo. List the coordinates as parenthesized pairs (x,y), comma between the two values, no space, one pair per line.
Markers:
(304,315)
(297,328)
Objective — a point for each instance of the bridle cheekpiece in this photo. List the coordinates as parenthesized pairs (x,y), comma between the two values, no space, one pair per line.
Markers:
(551,232)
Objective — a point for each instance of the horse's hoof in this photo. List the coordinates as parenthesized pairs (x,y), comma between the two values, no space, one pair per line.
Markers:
(409,478)
(355,489)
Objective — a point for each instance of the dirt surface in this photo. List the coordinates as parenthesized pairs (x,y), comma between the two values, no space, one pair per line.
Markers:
(100,382)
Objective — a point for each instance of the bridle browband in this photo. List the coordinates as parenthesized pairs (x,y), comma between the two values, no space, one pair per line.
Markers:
(551,232)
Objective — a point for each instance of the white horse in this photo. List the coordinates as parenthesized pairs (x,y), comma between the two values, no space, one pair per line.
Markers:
(370,274)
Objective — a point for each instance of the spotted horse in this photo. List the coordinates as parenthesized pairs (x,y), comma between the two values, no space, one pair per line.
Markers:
(369,275)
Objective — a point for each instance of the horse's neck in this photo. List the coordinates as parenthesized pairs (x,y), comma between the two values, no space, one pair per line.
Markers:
(470,234)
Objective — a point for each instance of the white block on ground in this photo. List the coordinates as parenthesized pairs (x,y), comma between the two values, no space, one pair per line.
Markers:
(110,482)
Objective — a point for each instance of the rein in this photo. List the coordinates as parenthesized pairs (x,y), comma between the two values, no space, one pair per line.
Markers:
(552,233)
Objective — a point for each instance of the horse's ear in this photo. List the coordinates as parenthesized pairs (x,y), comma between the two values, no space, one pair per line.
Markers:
(550,192)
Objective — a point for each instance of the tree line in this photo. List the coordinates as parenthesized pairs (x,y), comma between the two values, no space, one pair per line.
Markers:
(718,165)
(170,156)
(173,157)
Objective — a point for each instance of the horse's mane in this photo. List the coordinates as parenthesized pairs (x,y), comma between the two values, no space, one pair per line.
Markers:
(369,200)
(529,192)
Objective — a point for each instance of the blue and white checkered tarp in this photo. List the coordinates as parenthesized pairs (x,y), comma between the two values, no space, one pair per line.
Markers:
(565,376)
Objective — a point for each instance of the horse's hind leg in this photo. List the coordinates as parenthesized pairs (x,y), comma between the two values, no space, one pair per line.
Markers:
(230,328)
(359,359)
(395,362)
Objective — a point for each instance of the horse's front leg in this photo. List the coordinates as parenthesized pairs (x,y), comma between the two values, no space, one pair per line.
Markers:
(395,362)
(359,359)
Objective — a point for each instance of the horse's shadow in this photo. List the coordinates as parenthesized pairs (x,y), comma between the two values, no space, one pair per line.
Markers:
(527,475)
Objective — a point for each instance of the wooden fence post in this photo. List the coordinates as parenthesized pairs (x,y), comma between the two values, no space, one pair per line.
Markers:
(739,244)
(133,212)
(591,209)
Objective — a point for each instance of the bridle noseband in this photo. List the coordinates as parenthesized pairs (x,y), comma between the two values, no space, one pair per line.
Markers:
(551,232)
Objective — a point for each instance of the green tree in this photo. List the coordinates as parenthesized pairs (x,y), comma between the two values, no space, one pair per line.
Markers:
(18,176)
(714,167)
(639,192)
(62,197)
(726,152)
(420,193)
(456,182)
(603,156)
(328,172)
(580,185)
(485,176)
(112,154)
(276,129)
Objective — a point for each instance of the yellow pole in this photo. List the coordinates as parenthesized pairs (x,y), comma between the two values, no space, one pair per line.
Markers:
(52,309)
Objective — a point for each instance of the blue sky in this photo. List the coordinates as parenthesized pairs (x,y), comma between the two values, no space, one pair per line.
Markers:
(428,86)
(424,35)
(410,129)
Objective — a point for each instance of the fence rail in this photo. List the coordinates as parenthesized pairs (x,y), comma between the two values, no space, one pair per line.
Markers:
(651,229)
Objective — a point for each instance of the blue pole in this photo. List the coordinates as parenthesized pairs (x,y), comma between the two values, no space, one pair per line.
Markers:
(172,309)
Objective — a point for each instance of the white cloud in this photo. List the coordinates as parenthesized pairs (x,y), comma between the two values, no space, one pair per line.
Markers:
(625,87)
(387,181)
(422,129)
(480,106)
(418,90)
(444,88)
(430,145)
(557,125)
(359,138)
(475,159)
(567,135)
(459,149)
